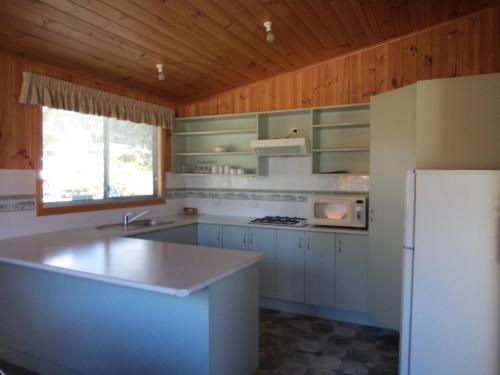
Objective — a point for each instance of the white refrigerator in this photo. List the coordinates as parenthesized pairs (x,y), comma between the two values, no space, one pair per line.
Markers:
(451,274)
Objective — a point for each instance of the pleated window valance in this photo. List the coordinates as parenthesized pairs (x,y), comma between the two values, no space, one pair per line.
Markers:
(55,93)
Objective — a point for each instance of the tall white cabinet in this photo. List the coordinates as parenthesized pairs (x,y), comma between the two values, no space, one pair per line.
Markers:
(439,124)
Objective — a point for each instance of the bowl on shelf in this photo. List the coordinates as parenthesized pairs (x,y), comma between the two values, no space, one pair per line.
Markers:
(220,148)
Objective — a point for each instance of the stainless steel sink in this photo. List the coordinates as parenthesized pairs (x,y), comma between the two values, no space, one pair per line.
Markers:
(136,225)
(151,222)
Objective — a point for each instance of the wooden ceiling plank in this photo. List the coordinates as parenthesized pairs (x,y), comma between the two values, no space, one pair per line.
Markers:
(282,11)
(11,10)
(450,9)
(40,29)
(231,24)
(115,43)
(69,69)
(152,12)
(417,14)
(108,25)
(98,19)
(85,27)
(200,21)
(401,17)
(153,40)
(43,34)
(347,16)
(255,26)
(283,33)
(314,24)
(366,18)
(204,64)
(383,15)
(330,19)
(29,45)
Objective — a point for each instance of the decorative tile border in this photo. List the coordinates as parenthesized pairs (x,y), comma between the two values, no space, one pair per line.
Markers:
(12,203)
(16,203)
(258,195)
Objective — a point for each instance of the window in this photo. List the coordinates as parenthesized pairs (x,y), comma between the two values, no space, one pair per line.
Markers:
(97,161)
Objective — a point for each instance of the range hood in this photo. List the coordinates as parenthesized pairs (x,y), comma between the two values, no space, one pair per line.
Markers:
(280,147)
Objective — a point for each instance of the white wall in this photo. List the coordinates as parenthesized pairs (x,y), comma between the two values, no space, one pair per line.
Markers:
(285,174)
(290,175)
(18,223)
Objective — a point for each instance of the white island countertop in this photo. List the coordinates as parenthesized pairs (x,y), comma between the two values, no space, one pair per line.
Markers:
(170,268)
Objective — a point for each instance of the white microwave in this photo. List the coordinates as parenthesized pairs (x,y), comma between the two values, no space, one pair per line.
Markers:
(338,210)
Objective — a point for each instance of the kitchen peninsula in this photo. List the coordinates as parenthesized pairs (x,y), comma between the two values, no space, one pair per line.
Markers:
(87,301)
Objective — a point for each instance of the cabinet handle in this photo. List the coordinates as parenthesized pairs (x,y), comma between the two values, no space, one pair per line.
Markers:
(244,238)
(251,238)
(308,244)
(218,236)
(339,246)
(371,216)
(300,242)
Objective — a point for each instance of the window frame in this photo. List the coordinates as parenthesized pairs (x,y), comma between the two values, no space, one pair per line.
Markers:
(108,204)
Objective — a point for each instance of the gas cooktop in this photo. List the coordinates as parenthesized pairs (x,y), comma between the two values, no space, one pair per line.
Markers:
(281,220)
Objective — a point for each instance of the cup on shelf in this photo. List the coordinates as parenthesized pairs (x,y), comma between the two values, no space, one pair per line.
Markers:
(227,169)
(215,169)
(232,171)
(240,171)
(220,169)
(220,148)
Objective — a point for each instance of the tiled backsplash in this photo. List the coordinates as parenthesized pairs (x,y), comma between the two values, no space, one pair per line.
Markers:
(283,192)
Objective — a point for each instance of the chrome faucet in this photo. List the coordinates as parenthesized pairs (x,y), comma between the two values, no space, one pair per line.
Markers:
(127,219)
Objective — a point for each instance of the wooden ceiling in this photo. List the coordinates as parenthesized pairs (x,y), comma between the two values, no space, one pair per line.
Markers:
(207,46)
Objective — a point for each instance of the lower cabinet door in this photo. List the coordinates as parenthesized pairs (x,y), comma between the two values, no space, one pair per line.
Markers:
(187,234)
(351,272)
(290,265)
(320,269)
(210,235)
(235,237)
(159,235)
(264,241)
(168,235)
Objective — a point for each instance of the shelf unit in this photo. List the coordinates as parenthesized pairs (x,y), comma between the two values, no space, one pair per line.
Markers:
(339,136)
(195,138)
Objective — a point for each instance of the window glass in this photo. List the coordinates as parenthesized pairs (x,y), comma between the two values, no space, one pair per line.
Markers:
(90,158)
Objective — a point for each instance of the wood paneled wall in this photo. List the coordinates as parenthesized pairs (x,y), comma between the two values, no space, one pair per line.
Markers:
(18,121)
(465,46)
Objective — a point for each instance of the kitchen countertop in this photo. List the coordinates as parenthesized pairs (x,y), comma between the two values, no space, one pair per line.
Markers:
(181,220)
(174,269)
(109,256)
